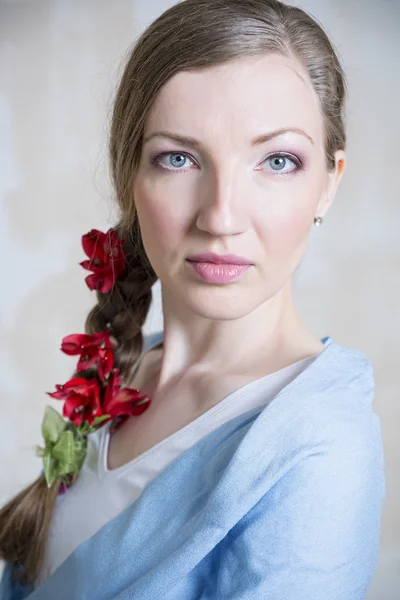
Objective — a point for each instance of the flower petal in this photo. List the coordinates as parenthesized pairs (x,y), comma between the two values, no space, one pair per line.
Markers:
(93,244)
(91,281)
(105,363)
(71,344)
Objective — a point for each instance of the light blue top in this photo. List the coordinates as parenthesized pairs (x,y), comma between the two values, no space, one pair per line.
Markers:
(282,503)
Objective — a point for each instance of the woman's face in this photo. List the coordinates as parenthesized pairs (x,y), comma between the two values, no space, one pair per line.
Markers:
(250,182)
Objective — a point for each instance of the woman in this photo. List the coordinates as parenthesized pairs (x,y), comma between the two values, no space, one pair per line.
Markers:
(257,469)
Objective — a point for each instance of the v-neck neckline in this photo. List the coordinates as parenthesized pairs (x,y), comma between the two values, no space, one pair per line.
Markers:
(102,461)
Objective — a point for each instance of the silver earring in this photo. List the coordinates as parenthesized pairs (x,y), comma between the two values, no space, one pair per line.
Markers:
(318,221)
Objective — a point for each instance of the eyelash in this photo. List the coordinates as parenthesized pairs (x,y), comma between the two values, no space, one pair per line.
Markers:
(298,164)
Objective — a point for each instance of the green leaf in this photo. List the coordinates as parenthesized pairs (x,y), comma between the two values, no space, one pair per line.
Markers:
(65,447)
(98,420)
(83,428)
(49,470)
(69,453)
(52,425)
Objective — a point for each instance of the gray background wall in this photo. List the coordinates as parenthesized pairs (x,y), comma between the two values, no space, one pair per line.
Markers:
(59,62)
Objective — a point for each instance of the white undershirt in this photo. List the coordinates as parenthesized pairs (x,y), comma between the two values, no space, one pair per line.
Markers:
(100,494)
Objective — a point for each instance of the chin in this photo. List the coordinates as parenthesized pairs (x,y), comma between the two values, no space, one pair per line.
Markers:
(221,303)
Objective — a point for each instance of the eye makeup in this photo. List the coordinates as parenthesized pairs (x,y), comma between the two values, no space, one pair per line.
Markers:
(298,164)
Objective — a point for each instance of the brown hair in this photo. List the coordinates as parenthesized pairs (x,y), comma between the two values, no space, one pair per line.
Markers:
(192,34)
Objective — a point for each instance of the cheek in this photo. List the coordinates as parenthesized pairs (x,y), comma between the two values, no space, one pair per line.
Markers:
(160,223)
(285,230)
(296,209)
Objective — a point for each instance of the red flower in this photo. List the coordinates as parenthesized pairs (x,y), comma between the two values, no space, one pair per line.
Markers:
(123,401)
(107,259)
(82,399)
(92,348)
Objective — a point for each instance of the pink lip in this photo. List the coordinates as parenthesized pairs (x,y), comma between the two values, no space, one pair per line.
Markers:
(219,259)
(219,273)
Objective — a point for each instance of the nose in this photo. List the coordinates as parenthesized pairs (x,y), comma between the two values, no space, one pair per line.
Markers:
(223,208)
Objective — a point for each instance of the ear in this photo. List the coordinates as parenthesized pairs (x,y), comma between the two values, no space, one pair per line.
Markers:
(332,183)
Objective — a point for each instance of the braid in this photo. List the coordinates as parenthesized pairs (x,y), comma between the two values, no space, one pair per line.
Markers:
(123,312)
(124,309)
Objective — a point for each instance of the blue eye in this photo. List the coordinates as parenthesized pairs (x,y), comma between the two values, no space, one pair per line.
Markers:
(280,160)
(177,160)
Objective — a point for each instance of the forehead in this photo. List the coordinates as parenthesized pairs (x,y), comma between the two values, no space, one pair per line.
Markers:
(244,97)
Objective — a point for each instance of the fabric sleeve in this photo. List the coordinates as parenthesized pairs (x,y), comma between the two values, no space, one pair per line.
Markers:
(315,535)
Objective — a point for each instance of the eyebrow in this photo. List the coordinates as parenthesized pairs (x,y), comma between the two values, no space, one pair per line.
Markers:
(261,139)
